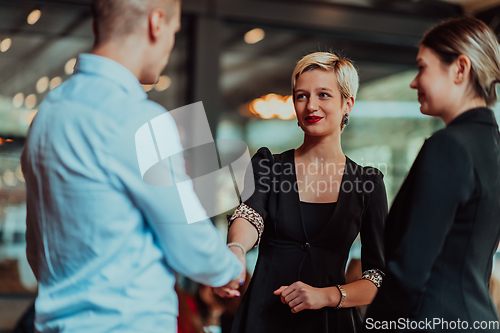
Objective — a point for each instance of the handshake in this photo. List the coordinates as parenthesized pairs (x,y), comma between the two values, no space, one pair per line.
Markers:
(230,290)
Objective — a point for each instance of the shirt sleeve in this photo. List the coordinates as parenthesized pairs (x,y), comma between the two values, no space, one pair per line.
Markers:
(257,188)
(194,250)
(441,179)
(372,228)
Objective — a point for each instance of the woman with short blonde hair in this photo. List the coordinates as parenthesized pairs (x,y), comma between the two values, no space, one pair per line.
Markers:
(306,220)
(344,70)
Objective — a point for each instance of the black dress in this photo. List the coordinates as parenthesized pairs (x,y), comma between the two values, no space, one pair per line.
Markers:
(287,253)
(442,232)
(316,215)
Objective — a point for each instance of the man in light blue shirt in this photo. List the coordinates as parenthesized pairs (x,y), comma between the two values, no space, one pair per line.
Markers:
(103,244)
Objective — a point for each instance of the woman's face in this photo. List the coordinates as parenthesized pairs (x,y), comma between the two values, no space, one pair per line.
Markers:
(318,103)
(434,83)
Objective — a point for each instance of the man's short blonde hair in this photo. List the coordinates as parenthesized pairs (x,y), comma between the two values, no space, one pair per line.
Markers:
(343,68)
(120,18)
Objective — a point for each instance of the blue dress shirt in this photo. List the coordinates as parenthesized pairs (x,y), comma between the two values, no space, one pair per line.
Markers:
(103,244)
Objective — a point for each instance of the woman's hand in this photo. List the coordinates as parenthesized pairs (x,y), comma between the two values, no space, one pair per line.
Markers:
(243,259)
(300,296)
(230,290)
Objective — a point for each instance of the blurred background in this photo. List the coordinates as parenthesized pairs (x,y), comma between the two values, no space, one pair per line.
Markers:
(237,56)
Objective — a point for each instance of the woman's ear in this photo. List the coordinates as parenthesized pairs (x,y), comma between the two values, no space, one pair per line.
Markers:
(349,104)
(462,68)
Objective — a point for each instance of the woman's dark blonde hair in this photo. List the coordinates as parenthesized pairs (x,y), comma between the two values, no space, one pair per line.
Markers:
(473,38)
(344,70)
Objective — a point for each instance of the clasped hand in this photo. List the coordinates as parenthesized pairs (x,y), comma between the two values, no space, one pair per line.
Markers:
(300,296)
(230,290)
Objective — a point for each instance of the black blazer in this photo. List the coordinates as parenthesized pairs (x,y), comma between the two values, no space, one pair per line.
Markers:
(443,230)
(287,254)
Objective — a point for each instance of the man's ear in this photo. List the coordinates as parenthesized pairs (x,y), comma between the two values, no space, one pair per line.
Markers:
(155,23)
(462,67)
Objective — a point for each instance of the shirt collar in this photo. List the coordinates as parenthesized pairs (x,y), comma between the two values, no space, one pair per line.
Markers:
(477,115)
(111,70)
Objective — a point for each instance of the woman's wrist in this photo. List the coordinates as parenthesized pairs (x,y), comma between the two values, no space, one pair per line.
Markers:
(238,246)
(342,297)
(333,296)
(237,251)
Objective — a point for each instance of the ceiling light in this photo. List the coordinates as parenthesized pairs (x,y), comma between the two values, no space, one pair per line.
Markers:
(34,16)
(18,100)
(55,82)
(69,68)
(254,36)
(42,85)
(272,106)
(5,44)
(163,83)
(30,101)
(147,87)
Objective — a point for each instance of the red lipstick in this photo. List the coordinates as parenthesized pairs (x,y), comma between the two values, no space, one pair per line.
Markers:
(313,119)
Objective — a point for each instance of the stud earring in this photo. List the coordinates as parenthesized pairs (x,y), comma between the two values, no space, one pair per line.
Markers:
(298,124)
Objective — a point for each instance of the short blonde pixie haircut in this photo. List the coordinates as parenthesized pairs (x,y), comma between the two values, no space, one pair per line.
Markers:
(343,68)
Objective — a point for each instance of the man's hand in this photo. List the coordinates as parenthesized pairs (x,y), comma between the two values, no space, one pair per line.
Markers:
(230,290)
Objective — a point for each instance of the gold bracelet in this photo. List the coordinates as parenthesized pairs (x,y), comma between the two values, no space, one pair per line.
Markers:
(342,297)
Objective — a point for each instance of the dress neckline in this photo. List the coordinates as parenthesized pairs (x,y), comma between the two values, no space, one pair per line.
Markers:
(318,203)
(340,199)
(347,161)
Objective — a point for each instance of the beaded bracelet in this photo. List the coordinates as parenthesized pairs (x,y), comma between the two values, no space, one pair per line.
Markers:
(238,245)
